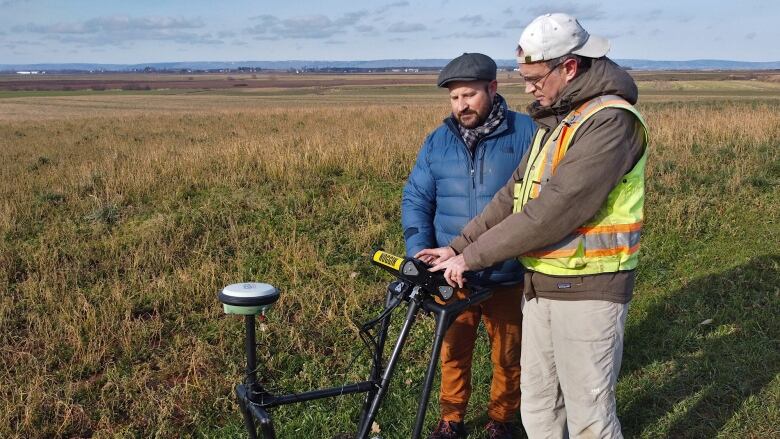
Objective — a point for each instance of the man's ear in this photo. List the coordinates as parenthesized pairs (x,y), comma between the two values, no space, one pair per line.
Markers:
(570,68)
(493,87)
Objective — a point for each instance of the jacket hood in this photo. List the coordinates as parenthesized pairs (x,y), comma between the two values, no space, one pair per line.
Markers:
(604,77)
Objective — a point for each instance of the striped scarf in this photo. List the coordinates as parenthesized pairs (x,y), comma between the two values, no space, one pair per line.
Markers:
(472,136)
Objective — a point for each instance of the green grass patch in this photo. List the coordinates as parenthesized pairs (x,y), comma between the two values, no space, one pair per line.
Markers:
(116,234)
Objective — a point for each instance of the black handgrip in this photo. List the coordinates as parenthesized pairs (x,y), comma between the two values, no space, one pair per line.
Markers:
(416,272)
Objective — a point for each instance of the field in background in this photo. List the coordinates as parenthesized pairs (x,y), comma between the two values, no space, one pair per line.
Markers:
(123,212)
(112,95)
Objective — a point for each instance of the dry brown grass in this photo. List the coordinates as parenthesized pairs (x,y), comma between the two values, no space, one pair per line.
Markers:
(118,227)
(114,242)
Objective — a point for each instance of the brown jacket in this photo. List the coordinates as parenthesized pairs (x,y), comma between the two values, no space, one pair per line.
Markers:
(604,149)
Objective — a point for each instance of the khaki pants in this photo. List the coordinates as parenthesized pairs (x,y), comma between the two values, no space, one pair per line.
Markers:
(502,316)
(570,363)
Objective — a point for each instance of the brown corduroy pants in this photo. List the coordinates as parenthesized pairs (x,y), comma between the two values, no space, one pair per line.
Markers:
(503,318)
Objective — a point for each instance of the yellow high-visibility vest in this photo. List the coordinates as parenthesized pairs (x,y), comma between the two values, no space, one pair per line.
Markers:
(609,241)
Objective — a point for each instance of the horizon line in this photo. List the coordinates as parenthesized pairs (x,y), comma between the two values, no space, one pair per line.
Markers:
(357,61)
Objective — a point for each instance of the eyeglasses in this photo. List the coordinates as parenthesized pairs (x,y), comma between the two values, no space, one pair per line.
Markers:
(534,82)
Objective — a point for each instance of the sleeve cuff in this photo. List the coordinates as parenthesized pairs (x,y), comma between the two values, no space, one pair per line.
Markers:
(472,259)
(458,244)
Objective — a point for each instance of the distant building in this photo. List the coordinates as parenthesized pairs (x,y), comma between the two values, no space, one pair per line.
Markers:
(30,72)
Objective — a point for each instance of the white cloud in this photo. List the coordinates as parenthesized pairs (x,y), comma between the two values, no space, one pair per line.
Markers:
(9,3)
(472,19)
(23,43)
(270,27)
(387,7)
(516,25)
(641,17)
(400,27)
(472,35)
(583,11)
(127,37)
(113,24)
(123,31)
(350,18)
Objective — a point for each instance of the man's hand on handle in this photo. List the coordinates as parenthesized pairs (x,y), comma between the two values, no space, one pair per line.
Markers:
(433,256)
(444,258)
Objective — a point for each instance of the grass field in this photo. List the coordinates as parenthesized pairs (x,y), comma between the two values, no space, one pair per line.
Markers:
(122,214)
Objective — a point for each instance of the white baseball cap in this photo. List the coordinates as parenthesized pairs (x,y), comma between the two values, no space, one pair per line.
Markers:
(553,35)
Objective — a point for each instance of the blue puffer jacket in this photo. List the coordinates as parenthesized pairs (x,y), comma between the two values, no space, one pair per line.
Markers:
(448,187)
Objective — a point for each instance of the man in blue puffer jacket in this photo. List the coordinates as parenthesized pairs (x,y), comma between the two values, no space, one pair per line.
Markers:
(461,165)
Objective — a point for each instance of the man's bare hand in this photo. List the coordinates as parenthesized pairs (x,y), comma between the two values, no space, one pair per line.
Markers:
(454,268)
(433,256)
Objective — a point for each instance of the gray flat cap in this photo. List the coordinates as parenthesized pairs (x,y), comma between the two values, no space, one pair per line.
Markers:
(468,67)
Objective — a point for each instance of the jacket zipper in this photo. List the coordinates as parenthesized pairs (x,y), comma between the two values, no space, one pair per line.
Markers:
(472,171)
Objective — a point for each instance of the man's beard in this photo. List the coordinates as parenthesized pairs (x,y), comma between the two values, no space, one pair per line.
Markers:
(475,118)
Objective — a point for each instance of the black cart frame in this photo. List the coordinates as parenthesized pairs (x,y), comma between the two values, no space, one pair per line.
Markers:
(255,401)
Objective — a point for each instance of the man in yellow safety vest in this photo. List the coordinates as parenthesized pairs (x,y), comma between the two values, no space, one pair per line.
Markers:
(572,213)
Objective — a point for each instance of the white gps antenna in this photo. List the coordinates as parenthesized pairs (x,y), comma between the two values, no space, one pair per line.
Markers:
(248,298)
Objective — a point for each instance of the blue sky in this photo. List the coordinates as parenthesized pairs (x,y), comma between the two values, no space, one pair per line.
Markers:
(33,31)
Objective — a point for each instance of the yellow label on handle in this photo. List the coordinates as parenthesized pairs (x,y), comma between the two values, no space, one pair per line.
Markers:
(388,260)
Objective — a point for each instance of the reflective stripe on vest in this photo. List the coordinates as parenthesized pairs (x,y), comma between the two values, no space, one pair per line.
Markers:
(610,240)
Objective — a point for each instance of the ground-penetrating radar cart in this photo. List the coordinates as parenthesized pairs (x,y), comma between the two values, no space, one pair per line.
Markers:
(415,286)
